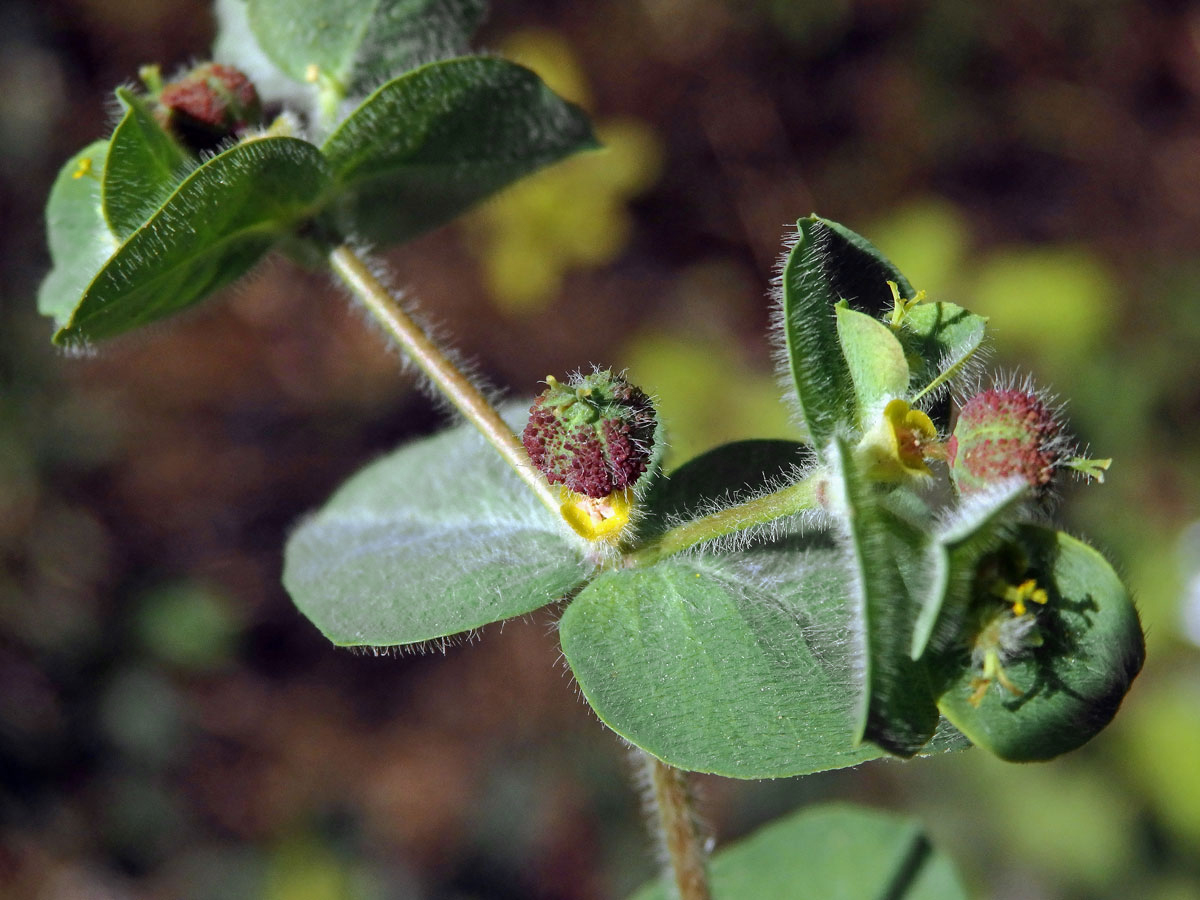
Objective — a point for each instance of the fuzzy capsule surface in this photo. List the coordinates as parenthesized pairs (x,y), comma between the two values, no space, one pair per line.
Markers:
(593,435)
(1003,434)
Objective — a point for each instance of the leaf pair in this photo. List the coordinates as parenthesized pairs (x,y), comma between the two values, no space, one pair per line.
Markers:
(140,229)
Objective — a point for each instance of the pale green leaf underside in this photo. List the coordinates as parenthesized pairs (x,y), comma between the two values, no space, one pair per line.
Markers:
(1074,683)
(144,163)
(876,362)
(76,231)
(211,229)
(736,664)
(435,539)
(434,142)
(830,853)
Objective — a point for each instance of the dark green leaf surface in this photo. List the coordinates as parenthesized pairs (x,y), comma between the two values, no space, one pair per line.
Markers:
(897,709)
(859,271)
(723,475)
(430,144)
(76,231)
(435,539)
(215,226)
(876,362)
(953,557)
(361,43)
(831,853)
(939,339)
(815,362)
(735,664)
(1073,684)
(144,163)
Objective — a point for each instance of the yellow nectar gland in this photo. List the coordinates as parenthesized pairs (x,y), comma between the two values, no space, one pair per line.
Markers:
(597,519)
(900,444)
(83,169)
(1026,591)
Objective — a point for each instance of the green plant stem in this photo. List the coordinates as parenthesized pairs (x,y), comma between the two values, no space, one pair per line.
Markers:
(679,830)
(787,501)
(446,376)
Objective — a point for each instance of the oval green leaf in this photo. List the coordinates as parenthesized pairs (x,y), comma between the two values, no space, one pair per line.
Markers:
(432,143)
(842,852)
(220,220)
(1074,682)
(76,231)
(433,540)
(733,664)
(144,163)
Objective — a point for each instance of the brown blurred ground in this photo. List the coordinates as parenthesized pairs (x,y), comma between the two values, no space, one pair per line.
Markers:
(171,727)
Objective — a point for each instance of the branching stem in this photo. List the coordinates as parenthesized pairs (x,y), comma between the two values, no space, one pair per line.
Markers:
(679,829)
(438,367)
(787,501)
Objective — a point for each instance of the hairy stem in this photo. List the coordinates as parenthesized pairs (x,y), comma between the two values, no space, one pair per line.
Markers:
(679,830)
(785,502)
(447,377)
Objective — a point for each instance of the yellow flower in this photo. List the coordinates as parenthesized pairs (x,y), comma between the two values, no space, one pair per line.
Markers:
(600,519)
(897,448)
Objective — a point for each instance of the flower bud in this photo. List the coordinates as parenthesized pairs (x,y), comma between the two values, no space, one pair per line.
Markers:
(1003,434)
(593,435)
(209,104)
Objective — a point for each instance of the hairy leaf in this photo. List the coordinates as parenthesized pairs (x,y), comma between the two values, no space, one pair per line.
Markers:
(836,851)
(735,664)
(438,538)
(220,220)
(430,144)
(1072,684)
(76,231)
(818,370)
(897,709)
(144,163)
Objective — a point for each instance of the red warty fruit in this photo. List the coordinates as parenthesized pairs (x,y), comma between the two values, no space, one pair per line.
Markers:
(594,434)
(209,104)
(1003,434)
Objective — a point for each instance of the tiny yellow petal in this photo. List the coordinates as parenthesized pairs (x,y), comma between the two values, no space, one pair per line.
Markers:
(600,519)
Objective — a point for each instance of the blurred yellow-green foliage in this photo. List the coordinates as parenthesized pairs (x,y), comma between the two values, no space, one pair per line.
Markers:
(171,727)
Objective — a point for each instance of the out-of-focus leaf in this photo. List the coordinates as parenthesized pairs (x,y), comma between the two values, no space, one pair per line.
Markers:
(76,231)
(144,162)
(430,144)
(438,538)
(361,43)
(842,852)
(219,221)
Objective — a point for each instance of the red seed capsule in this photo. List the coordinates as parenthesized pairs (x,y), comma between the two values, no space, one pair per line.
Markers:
(593,435)
(210,103)
(1003,434)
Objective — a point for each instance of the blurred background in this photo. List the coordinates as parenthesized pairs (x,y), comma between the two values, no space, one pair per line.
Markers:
(170,727)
